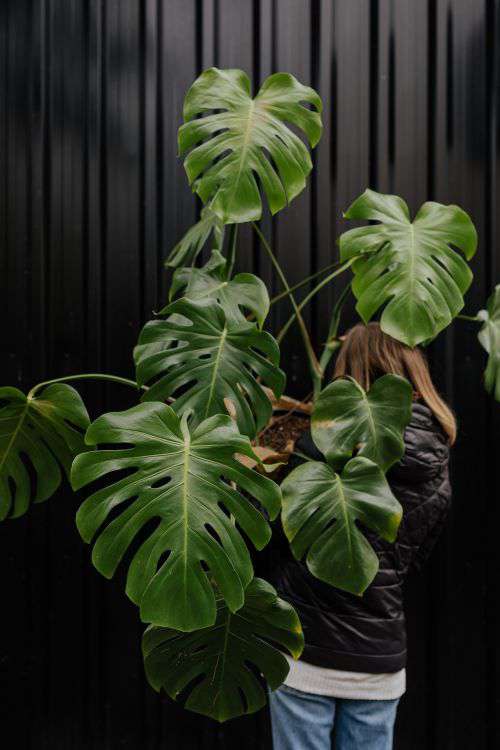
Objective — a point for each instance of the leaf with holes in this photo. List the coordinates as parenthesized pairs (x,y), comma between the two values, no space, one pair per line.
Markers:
(204,359)
(39,438)
(219,667)
(321,509)
(347,419)
(489,338)
(245,139)
(179,479)
(190,246)
(243,292)
(409,268)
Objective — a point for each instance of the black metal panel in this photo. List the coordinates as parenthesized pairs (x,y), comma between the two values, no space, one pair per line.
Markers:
(93,196)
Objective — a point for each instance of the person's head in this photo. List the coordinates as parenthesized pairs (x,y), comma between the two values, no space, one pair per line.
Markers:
(368,353)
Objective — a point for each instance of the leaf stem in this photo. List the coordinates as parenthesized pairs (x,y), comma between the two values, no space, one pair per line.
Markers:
(231,253)
(311,355)
(311,294)
(305,281)
(472,318)
(282,295)
(88,376)
(219,238)
(332,343)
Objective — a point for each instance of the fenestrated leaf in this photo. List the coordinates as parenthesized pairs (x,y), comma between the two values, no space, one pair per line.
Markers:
(222,660)
(214,359)
(44,432)
(347,419)
(410,267)
(489,337)
(180,478)
(190,246)
(320,510)
(243,292)
(246,138)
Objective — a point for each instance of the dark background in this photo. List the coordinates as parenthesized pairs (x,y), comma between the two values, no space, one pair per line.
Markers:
(92,199)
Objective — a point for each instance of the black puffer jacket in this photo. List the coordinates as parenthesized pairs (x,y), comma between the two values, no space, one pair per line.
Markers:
(367,634)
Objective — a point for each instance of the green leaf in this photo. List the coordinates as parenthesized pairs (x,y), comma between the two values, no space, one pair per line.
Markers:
(39,437)
(320,511)
(410,267)
(213,359)
(218,666)
(243,292)
(180,478)
(247,138)
(346,418)
(190,246)
(489,338)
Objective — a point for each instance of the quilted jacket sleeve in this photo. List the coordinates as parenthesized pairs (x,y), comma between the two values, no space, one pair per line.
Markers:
(421,483)
(423,552)
(426,455)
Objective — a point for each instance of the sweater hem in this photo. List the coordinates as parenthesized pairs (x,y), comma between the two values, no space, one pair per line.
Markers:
(375,664)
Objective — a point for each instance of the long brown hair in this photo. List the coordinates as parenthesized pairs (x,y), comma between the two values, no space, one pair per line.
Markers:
(367,352)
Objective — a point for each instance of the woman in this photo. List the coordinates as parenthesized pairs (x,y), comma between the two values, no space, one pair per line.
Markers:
(352,672)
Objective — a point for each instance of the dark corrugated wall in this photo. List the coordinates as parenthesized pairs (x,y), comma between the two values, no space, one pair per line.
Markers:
(92,199)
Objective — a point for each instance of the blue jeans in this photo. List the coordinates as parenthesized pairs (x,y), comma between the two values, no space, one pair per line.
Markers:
(303,721)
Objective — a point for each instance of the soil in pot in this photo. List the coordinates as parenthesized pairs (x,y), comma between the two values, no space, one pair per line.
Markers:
(283,431)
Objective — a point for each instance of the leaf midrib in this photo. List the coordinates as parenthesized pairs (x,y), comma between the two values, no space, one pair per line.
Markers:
(371,422)
(343,506)
(185,507)
(215,370)
(14,435)
(412,267)
(223,654)
(245,142)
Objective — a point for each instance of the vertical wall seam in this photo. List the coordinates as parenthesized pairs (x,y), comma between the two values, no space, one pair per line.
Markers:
(374,92)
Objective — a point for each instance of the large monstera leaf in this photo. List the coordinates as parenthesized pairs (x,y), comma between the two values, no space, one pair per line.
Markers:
(176,492)
(347,419)
(205,360)
(190,246)
(217,667)
(321,509)
(489,337)
(39,436)
(238,139)
(409,268)
(244,292)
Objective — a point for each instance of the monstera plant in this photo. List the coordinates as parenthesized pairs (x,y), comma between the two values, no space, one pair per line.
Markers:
(361,436)
(171,493)
(228,655)
(409,268)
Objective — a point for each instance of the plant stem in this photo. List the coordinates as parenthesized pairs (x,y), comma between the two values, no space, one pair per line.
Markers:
(88,376)
(472,318)
(299,284)
(332,343)
(311,355)
(337,309)
(219,241)
(302,283)
(311,294)
(231,253)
